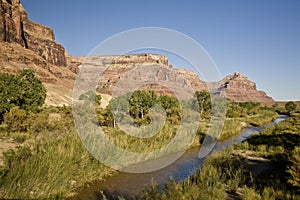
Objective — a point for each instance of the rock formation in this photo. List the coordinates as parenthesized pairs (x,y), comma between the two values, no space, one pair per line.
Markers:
(154,67)
(235,87)
(26,44)
(15,27)
(240,88)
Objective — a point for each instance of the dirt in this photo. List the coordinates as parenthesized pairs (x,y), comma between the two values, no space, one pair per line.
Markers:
(255,164)
(5,145)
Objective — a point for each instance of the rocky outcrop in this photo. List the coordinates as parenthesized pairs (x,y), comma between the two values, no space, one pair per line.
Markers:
(16,27)
(149,71)
(116,68)
(26,44)
(193,79)
(241,89)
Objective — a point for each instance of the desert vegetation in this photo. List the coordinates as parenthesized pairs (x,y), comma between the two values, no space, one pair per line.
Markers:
(50,161)
(265,166)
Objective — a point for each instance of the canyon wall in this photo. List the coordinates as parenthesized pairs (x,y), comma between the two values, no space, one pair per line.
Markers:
(16,27)
(26,44)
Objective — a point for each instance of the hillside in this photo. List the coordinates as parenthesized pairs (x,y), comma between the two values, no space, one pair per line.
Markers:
(26,44)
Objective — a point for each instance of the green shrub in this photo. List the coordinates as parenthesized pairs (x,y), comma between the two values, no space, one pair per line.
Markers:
(290,106)
(16,120)
(23,90)
(294,169)
(38,123)
(251,194)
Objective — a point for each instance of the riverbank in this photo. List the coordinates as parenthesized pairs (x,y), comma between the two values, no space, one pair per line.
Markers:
(52,158)
(265,166)
(130,185)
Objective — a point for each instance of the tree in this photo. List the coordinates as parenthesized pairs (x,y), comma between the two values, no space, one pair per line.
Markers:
(91,96)
(140,102)
(8,93)
(204,101)
(32,93)
(171,106)
(118,106)
(290,106)
(23,90)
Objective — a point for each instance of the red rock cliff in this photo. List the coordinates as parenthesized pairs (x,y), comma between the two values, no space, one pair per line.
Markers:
(16,27)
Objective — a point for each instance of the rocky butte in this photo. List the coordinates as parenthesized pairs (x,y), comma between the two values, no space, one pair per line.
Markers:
(26,44)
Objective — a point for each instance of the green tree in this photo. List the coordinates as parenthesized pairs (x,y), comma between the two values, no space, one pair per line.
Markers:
(171,106)
(8,93)
(204,101)
(140,102)
(91,96)
(290,106)
(23,90)
(118,106)
(32,93)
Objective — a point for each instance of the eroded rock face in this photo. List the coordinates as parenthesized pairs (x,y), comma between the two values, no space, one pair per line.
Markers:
(16,27)
(146,71)
(25,44)
(241,89)
(167,79)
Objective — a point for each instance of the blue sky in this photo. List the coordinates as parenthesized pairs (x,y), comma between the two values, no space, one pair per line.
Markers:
(258,38)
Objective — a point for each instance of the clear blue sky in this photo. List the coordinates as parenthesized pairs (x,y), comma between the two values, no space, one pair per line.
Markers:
(258,38)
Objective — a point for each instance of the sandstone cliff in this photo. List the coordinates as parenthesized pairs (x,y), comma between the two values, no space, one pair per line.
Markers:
(235,87)
(240,88)
(25,44)
(122,74)
(15,27)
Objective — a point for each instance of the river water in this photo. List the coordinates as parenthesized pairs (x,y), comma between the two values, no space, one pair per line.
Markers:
(130,185)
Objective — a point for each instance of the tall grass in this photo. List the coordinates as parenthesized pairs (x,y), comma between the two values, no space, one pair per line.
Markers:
(220,174)
(234,126)
(280,144)
(53,162)
(224,172)
(49,165)
(53,165)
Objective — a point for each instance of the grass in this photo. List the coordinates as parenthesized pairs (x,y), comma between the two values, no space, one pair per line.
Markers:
(53,163)
(280,144)
(55,166)
(224,173)
(221,173)
(234,126)
(49,165)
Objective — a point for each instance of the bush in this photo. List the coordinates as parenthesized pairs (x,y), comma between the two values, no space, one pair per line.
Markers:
(38,123)
(294,170)
(16,119)
(251,194)
(290,106)
(23,90)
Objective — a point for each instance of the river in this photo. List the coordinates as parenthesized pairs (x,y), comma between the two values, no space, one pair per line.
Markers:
(130,185)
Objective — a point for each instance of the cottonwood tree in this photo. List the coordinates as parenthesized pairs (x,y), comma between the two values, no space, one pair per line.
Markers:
(201,102)
(23,90)
(140,102)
